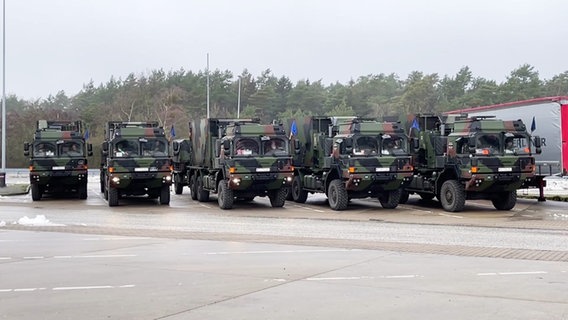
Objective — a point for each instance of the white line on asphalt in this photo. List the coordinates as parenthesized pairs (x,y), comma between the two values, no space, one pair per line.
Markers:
(407,276)
(449,215)
(92,287)
(511,273)
(414,209)
(107,239)
(98,256)
(25,290)
(5,258)
(38,257)
(308,208)
(282,251)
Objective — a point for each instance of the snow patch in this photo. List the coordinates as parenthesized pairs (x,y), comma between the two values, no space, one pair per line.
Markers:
(39,221)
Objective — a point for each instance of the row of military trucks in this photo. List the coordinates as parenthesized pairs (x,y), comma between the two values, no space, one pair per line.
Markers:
(452,157)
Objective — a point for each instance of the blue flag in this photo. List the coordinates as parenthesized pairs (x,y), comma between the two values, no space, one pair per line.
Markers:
(415,124)
(293,128)
(173,131)
(533,125)
(87,135)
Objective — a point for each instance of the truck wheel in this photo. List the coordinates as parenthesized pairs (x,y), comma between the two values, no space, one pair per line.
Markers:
(337,195)
(36,192)
(390,199)
(193,188)
(278,197)
(165,195)
(202,195)
(102,185)
(298,193)
(289,196)
(178,186)
(82,191)
(404,195)
(452,196)
(225,195)
(112,197)
(505,200)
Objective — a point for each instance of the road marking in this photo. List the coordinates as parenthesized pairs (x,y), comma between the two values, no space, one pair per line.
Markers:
(92,287)
(5,258)
(449,215)
(415,209)
(406,276)
(31,258)
(511,273)
(281,251)
(107,239)
(205,206)
(98,256)
(308,208)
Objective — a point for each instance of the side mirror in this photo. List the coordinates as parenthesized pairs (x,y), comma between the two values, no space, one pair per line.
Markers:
(175,147)
(227,147)
(297,146)
(26,149)
(415,144)
(348,143)
(105,148)
(89,149)
(538,144)
(471,145)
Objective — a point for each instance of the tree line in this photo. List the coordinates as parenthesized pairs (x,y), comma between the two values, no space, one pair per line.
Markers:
(174,98)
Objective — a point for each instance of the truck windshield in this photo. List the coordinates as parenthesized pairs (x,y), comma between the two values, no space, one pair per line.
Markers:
(394,145)
(366,146)
(71,149)
(154,147)
(516,144)
(44,149)
(274,146)
(126,148)
(247,147)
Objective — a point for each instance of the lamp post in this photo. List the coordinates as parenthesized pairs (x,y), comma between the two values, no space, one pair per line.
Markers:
(239,100)
(3,171)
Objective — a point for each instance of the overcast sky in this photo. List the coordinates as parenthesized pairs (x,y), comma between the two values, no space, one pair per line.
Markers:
(54,45)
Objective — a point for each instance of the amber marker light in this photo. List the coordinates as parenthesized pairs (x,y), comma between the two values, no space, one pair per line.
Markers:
(232,169)
(474,169)
(31,168)
(111,169)
(352,169)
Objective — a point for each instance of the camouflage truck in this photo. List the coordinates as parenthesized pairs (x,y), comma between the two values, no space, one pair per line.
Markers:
(238,159)
(349,157)
(58,158)
(457,158)
(135,161)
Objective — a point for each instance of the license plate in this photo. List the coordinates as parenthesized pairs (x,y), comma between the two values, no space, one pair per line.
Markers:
(140,169)
(58,168)
(505,169)
(262,169)
(383,169)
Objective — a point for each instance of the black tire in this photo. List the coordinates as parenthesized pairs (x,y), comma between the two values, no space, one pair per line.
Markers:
(178,186)
(82,191)
(278,197)
(426,196)
(337,195)
(404,195)
(165,195)
(193,188)
(452,196)
(202,195)
(36,192)
(225,196)
(298,193)
(102,184)
(390,199)
(289,196)
(112,197)
(505,200)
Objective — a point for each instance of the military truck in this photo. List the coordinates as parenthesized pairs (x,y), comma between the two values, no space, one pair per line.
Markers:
(348,158)
(58,158)
(238,159)
(135,161)
(457,158)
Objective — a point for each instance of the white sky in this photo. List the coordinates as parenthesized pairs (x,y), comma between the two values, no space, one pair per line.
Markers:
(54,45)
